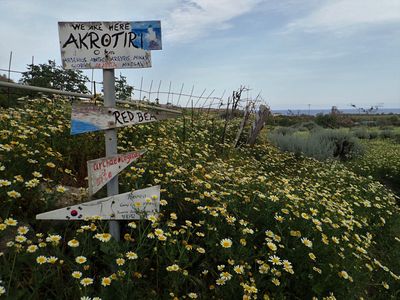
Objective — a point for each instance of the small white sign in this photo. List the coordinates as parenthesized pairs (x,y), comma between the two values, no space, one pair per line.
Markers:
(128,206)
(102,170)
(101,45)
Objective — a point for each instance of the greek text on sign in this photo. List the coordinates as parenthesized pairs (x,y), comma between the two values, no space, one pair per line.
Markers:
(128,206)
(102,170)
(87,118)
(108,45)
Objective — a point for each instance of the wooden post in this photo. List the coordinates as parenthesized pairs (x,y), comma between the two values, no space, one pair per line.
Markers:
(226,121)
(9,75)
(242,124)
(258,124)
(111,141)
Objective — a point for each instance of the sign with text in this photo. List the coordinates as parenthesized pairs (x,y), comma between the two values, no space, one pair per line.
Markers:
(128,206)
(108,45)
(102,170)
(87,118)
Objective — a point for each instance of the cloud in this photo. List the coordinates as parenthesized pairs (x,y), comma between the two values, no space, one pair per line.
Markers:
(196,18)
(348,15)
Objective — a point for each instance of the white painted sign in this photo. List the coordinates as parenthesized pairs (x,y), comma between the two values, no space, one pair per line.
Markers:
(87,118)
(128,206)
(102,170)
(105,45)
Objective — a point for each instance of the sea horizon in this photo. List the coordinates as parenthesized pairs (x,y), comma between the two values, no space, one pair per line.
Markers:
(314,112)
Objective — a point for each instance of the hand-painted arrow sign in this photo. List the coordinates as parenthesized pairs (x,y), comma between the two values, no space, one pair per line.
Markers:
(87,118)
(127,206)
(102,170)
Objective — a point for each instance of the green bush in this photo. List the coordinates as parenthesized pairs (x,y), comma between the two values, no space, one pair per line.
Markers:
(306,126)
(396,138)
(373,134)
(333,120)
(330,121)
(387,134)
(361,133)
(284,130)
(321,144)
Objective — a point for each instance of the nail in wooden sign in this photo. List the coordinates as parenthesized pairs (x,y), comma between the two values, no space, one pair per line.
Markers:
(102,170)
(128,206)
(88,118)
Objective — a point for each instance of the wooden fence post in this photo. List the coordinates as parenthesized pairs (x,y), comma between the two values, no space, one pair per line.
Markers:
(242,124)
(258,124)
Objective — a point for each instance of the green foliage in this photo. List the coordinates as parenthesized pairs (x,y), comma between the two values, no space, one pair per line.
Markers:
(306,126)
(299,228)
(319,144)
(284,130)
(361,133)
(286,121)
(373,134)
(387,133)
(327,120)
(381,161)
(8,97)
(333,120)
(396,138)
(123,90)
(377,120)
(51,76)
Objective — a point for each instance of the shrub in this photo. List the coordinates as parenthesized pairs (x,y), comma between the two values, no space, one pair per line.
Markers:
(321,144)
(373,134)
(289,142)
(396,138)
(341,144)
(333,120)
(387,134)
(330,121)
(284,130)
(307,126)
(361,133)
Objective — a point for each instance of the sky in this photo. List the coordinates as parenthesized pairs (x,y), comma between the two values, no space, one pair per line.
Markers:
(295,53)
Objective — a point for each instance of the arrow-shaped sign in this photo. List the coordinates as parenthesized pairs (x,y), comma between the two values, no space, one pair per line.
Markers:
(102,170)
(127,206)
(87,118)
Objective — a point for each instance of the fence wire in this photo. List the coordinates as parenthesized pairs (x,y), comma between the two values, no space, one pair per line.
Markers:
(170,97)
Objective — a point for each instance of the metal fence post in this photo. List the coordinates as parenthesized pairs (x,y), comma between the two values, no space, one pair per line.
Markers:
(111,141)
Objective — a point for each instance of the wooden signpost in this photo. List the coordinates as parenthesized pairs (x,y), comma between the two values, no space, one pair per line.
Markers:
(87,118)
(109,45)
(102,170)
(126,206)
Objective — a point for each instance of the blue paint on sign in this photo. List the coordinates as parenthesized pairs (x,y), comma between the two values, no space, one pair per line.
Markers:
(81,127)
(148,35)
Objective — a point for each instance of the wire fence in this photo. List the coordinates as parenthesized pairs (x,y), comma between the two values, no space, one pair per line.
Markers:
(155,93)
(223,106)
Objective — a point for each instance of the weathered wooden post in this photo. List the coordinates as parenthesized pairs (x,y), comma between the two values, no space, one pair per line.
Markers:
(111,141)
(258,124)
(246,115)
